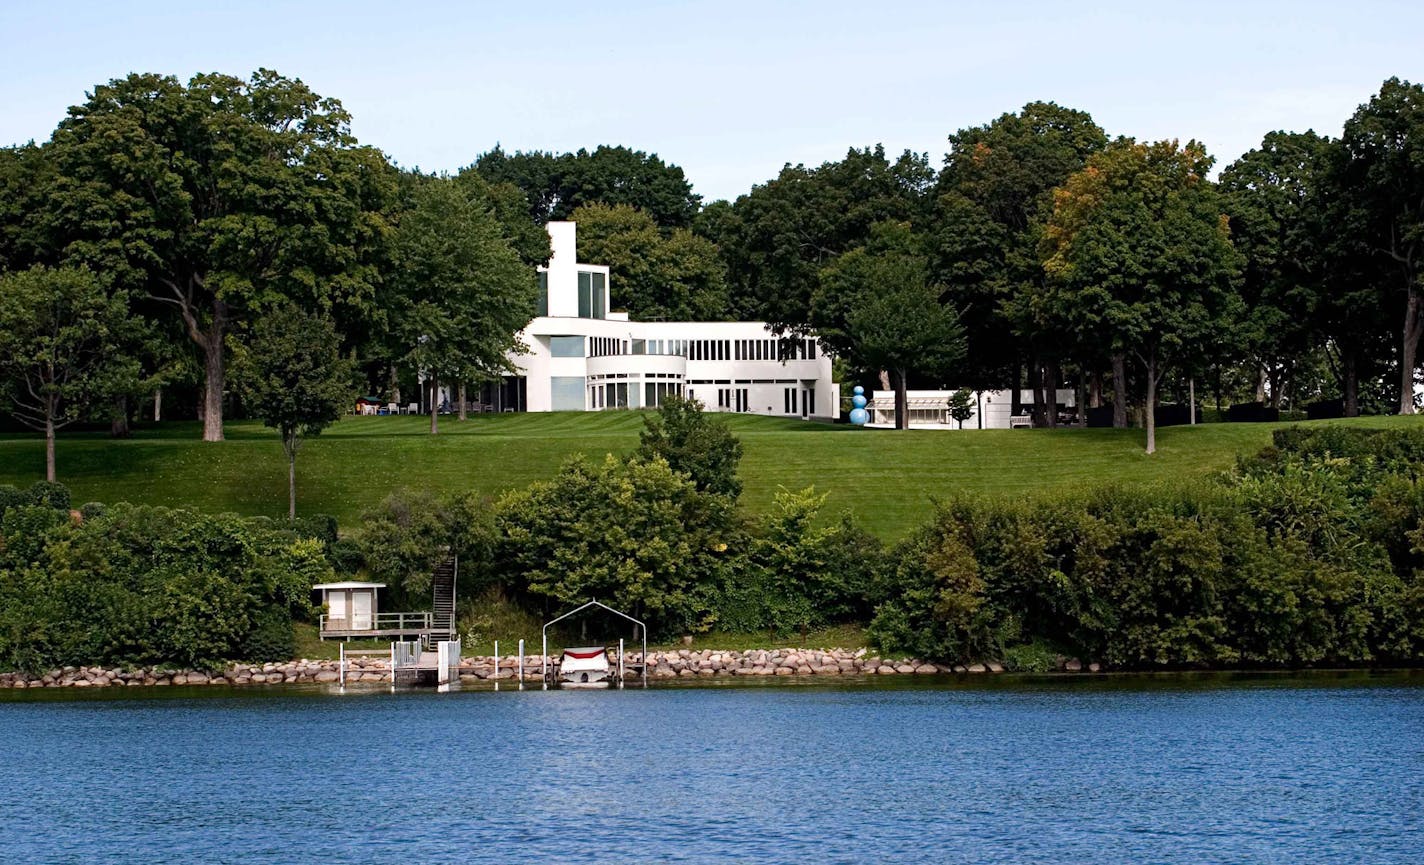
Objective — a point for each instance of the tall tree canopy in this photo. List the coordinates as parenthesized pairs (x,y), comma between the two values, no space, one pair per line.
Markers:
(992,197)
(462,292)
(777,237)
(877,307)
(218,199)
(1382,183)
(1139,251)
(557,185)
(1273,196)
(657,275)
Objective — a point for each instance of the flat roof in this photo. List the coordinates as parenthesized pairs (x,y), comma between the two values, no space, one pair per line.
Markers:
(349,584)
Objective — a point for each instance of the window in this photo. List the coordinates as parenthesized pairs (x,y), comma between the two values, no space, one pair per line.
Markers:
(600,296)
(640,346)
(810,407)
(789,400)
(742,401)
(543,308)
(585,290)
(566,393)
(566,346)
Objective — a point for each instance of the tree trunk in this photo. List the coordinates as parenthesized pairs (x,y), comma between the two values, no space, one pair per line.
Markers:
(395,386)
(214,376)
(461,398)
(1192,401)
(291,481)
(1016,396)
(884,379)
(1413,324)
(1095,390)
(157,404)
(1119,374)
(1035,375)
(49,448)
(1050,394)
(119,426)
(434,405)
(1261,384)
(1081,399)
(1351,383)
(902,399)
(1151,418)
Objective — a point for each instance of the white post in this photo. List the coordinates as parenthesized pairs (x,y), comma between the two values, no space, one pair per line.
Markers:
(1192,399)
(544,660)
(645,656)
(496,665)
(521,665)
(620,663)
(341,667)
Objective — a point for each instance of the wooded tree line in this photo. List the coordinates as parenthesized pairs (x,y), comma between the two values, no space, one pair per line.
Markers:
(163,220)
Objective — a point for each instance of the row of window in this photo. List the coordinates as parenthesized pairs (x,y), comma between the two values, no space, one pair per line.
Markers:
(751,349)
(615,394)
(606,346)
(743,381)
(734,399)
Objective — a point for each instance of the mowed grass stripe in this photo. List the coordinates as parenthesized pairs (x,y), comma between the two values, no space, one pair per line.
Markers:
(886,477)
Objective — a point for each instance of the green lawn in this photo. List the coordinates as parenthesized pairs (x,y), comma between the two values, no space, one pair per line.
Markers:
(887,477)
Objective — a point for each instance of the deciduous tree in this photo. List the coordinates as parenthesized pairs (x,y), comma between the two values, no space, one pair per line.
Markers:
(1139,253)
(296,380)
(60,332)
(219,199)
(877,307)
(462,292)
(656,275)
(1382,183)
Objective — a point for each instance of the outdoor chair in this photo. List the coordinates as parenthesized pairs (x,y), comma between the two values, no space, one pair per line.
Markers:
(413,408)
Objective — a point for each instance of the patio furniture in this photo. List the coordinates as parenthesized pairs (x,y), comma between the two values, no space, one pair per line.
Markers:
(413,408)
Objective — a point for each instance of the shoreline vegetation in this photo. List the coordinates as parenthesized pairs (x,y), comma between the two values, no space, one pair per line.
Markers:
(1307,554)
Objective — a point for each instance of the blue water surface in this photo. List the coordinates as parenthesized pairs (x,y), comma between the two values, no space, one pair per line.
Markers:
(1181,769)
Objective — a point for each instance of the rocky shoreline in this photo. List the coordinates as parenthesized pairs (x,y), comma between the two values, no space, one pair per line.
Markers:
(683,663)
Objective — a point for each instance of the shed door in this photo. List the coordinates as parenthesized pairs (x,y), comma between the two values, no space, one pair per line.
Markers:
(361,610)
(336,606)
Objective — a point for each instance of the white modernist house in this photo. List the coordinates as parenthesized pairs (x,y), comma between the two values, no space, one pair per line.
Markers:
(585,357)
(992,409)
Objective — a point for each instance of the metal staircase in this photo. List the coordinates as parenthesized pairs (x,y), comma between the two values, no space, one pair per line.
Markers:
(443,583)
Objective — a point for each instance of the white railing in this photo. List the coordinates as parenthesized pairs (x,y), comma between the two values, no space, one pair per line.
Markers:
(378,622)
(448,665)
(405,655)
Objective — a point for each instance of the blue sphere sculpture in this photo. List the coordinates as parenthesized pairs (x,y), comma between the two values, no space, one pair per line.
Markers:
(858,415)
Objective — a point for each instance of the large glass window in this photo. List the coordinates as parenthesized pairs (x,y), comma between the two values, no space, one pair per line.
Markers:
(566,346)
(543,308)
(585,282)
(600,295)
(566,393)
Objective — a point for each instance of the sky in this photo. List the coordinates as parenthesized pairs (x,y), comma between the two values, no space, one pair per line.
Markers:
(731,91)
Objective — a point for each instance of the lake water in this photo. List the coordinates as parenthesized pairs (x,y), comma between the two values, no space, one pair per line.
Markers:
(1189,769)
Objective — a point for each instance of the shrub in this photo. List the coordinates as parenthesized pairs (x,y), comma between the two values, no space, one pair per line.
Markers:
(12,497)
(50,495)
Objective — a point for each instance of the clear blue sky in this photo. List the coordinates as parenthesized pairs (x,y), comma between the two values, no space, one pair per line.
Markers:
(732,90)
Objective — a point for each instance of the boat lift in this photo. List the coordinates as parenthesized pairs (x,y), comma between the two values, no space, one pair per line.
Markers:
(643,628)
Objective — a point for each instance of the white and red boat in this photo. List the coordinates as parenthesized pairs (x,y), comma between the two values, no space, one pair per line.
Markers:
(585,667)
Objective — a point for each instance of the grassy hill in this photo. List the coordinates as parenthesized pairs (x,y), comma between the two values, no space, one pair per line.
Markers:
(887,477)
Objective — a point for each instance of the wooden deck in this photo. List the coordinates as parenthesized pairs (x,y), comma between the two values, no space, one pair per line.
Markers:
(377,627)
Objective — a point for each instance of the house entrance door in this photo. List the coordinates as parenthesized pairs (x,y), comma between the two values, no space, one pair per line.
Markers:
(361,611)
